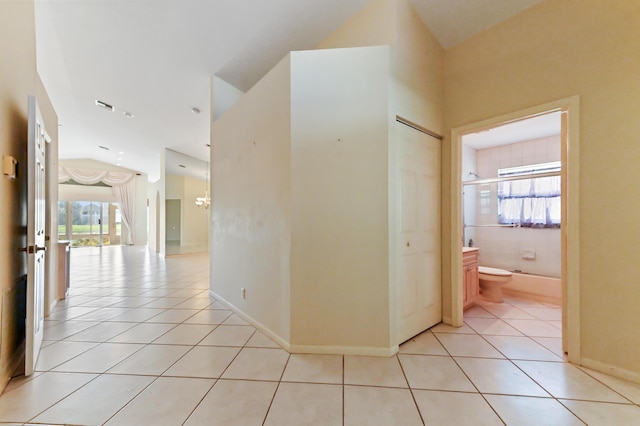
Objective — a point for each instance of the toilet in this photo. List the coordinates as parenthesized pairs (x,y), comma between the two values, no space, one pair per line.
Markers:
(491,281)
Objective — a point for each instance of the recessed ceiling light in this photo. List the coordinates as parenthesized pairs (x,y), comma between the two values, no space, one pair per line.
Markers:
(120,152)
(117,164)
(105,105)
(128,114)
(195,110)
(106,148)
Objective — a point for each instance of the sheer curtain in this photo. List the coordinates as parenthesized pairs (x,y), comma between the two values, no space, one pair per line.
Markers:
(531,202)
(122,184)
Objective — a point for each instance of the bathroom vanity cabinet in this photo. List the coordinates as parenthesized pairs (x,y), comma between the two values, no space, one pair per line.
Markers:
(470,276)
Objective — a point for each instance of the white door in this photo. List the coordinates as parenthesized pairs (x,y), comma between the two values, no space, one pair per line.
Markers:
(35,235)
(418,231)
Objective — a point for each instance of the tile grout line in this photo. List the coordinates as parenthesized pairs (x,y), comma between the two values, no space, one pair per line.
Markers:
(200,401)
(275,392)
(581,368)
(531,378)
(158,376)
(122,290)
(64,397)
(551,396)
(413,397)
(470,381)
(343,392)
(98,375)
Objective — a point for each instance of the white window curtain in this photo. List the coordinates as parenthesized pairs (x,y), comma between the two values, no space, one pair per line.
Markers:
(531,203)
(123,186)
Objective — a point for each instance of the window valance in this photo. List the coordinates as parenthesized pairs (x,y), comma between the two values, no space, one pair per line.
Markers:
(123,185)
(90,176)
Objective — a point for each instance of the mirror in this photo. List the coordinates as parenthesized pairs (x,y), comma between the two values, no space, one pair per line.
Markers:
(186,204)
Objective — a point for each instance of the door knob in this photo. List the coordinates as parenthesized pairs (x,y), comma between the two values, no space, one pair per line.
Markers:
(33,249)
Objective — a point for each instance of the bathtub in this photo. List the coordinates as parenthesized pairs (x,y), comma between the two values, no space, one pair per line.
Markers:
(534,287)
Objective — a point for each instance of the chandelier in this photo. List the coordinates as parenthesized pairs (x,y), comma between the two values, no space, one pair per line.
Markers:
(204,202)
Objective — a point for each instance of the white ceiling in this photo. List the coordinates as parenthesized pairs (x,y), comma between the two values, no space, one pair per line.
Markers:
(518,131)
(154,59)
(179,164)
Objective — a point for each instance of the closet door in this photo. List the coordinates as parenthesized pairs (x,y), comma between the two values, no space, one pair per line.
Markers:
(417,245)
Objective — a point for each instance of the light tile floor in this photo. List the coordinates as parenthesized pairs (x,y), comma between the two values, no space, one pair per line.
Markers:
(139,341)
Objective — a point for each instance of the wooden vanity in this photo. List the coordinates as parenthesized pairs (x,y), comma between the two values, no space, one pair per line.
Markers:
(470,276)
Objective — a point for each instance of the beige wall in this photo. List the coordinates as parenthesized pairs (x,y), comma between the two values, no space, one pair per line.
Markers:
(18,80)
(417,70)
(415,86)
(300,210)
(156,192)
(374,25)
(155,195)
(251,202)
(172,208)
(339,161)
(141,219)
(194,220)
(555,50)
(343,103)
(195,226)
(416,63)
(174,186)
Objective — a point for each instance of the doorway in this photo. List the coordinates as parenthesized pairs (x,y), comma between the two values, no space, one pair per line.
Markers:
(567,111)
(173,220)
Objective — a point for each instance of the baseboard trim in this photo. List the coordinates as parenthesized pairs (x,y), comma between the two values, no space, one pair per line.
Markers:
(531,296)
(449,321)
(52,305)
(632,376)
(344,350)
(12,366)
(257,324)
(306,349)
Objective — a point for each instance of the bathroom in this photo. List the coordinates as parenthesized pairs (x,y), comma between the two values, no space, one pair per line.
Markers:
(511,207)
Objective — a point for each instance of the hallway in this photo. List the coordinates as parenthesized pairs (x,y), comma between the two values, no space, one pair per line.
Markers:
(139,341)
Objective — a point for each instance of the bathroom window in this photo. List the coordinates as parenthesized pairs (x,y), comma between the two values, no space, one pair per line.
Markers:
(532,202)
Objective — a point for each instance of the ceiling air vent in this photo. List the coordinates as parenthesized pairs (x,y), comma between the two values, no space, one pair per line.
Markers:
(106,148)
(104,105)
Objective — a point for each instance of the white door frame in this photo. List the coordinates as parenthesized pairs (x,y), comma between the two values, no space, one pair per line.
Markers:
(570,219)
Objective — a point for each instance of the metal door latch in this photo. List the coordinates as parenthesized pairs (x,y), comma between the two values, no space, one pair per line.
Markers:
(32,249)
